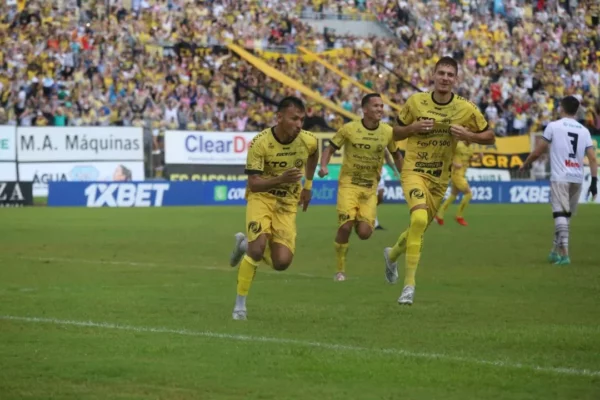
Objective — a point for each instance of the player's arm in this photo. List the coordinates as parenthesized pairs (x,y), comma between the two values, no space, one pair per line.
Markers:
(311,166)
(255,164)
(336,143)
(476,130)
(393,158)
(407,125)
(590,152)
(540,149)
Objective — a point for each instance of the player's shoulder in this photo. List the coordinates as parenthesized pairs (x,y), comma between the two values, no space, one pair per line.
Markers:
(420,98)
(464,102)
(308,137)
(262,137)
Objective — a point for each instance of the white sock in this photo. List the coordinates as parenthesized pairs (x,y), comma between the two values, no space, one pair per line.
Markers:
(240,302)
(376,222)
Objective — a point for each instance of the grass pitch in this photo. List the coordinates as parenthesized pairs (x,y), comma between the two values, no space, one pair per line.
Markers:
(136,304)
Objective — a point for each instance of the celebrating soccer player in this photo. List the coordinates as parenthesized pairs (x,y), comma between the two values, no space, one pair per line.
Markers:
(460,164)
(432,123)
(569,142)
(276,160)
(364,143)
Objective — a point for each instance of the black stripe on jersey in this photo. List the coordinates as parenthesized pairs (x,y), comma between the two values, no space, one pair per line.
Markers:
(252,172)
(484,129)
(547,140)
(333,145)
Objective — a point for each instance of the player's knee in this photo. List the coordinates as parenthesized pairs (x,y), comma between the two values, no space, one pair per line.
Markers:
(346,229)
(281,266)
(363,231)
(419,219)
(255,251)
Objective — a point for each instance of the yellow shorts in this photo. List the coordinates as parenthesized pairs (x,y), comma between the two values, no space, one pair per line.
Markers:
(263,215)
(356,204)
(420,190)
(459,182)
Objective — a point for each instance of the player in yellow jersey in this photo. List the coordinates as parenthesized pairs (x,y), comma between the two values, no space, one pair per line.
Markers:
(432,123)
(276,161)
(364,144)
(460,164)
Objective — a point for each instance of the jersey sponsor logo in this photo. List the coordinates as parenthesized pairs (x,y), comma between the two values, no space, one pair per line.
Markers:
(436,164)
(275,164)
(278,192)
(572,164)
(436,173)
(422,155)
(254,227)
(126,194)
(298,163)
(425,119)
(416,193)
(529,194)
(343,218)
(291,153)
(436,113)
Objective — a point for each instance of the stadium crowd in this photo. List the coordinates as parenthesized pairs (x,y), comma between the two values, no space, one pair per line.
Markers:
(161,63)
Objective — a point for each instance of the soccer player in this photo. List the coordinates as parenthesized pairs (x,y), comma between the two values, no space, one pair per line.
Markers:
(432,123)
(460,164)
(569,142)
(364,143)
(275,163)
(389,160)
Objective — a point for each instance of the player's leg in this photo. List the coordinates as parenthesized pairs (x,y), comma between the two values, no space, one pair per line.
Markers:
(439,217)
(283,240)
(347,207)
(559,198)
(574,192)
(465,189)
(367,214)
(380,193)
(258,223)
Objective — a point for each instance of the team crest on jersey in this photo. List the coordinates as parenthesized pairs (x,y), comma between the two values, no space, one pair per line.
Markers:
(271,146)
(254,227)
(416,193)
(379,148)
(424,102)
(298,163)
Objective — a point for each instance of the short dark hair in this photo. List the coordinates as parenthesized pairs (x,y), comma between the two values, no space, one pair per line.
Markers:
(447,61)
(290,101)
(365,99)
(569,105)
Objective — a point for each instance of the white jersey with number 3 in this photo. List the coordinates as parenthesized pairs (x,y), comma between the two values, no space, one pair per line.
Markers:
(568,143)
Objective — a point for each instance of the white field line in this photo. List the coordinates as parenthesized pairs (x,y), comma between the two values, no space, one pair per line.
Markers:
(151,264)
(328,346)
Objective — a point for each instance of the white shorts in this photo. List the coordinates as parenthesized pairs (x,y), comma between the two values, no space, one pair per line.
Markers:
(381,185)
(564,196)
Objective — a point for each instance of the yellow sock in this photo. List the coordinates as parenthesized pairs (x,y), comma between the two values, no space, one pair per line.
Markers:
(340,251)
(445,206)
(463,204)
(246,274)
(400,246)
(418,223)
(267,255)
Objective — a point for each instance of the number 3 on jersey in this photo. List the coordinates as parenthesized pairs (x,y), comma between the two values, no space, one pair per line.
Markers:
(574,140)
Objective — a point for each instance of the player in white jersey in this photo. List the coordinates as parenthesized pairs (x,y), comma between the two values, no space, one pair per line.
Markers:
(381,186)
(569,143)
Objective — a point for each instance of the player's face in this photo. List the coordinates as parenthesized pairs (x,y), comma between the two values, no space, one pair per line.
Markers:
(291,120)
(373,110)
(444,78)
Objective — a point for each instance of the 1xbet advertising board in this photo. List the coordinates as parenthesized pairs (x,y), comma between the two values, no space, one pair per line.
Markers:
(196,193)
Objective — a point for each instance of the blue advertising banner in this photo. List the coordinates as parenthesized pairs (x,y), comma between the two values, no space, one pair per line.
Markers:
(199,193)
(162,194)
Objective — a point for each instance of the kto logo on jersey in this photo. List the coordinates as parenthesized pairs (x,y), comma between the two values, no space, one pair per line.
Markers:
(529,194)
(223,193)
(126,194)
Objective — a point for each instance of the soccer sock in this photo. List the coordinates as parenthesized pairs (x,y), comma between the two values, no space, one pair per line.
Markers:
(463,204)
(267,255)
(445,206)
(555,243)
(400,246)
(562,231)
(418,223)
(340,251)
(376,222)
(246,274)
